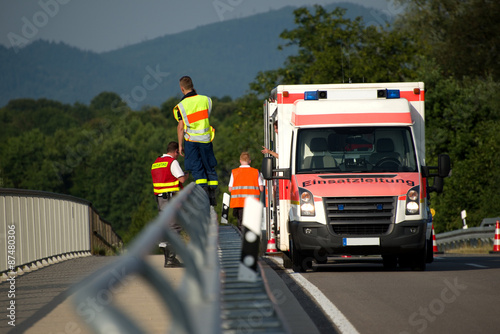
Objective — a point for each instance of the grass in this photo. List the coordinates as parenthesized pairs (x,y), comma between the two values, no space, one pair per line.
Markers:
(483,249)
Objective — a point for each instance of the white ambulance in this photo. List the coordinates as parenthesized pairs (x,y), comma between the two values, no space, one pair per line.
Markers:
(350,177)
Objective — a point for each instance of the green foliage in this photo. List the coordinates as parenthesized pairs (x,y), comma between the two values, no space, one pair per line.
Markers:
(107,159)
(103,151)
(464,122)
(335,49)
(462,36)
(461,72)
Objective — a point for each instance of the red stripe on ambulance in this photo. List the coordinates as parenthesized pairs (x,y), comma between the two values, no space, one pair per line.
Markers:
(372,118)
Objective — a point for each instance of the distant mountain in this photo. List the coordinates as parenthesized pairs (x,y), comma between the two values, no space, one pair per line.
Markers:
(222,58)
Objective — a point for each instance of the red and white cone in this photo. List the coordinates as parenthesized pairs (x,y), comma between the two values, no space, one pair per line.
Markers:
(496,243)
(271,244)
(434,242)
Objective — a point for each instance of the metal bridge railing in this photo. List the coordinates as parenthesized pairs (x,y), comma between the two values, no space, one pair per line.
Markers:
(38,228)
(195,305)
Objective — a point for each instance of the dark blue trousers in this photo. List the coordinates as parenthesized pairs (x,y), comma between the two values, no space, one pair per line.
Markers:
(200,160)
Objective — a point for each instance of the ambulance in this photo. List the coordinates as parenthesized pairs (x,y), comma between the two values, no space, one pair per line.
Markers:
(350,177)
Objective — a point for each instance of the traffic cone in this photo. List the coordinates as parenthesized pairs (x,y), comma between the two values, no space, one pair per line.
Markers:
(435,249)
(496,243)
(271,244)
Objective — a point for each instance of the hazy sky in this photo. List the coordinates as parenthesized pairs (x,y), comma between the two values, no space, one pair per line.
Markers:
(103,25)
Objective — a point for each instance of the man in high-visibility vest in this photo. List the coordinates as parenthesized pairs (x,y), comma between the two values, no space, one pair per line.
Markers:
(195,137)
(168,178)
(245,181)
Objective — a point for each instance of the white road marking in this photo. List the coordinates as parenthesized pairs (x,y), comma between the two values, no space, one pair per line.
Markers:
(340,321)
(476,265)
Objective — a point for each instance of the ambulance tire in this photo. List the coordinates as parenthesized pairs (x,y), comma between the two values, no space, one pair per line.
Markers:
(430,251)
(390,262)
(419,260)
(300,263)
(287,261)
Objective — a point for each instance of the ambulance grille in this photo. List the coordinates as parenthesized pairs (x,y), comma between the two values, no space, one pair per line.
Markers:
(360,215)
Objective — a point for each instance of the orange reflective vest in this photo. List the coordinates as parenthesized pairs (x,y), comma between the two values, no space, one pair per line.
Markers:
(163,180)
(245,184)
(195,111)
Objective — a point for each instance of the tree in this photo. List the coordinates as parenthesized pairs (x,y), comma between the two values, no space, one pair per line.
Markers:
(456,59)
(462,36)
(463,120)
(108,101)
(334,49)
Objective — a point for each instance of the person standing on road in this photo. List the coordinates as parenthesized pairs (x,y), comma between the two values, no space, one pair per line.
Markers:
(195,137)
(168,178)
(245,181)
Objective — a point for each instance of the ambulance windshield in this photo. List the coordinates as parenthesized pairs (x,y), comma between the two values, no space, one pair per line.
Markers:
(355,150)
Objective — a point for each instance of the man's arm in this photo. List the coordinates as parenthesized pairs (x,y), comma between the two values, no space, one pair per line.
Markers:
(176,170)
(183,178)
(268,151)
(180,136)
(230,184)
(261,182)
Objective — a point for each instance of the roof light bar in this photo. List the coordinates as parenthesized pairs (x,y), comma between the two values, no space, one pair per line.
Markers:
(311,95)
(315,95)
(393,94)
(388,93)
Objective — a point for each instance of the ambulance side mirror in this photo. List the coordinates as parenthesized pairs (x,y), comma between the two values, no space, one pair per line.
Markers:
(267,168)
(444,165)
(438,185)
(268,171)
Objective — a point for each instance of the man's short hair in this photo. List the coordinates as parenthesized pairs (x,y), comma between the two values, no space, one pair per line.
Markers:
(245,156)
(172,147)
(186,83)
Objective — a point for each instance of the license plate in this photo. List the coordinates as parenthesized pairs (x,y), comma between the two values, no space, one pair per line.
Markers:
(361,241)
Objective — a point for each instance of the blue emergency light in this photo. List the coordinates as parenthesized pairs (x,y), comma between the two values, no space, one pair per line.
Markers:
(311,95)
(315,95)
(393,94)
(388,93)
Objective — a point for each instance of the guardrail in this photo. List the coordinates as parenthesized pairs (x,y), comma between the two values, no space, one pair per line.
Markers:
(38,228)
(473,236)
(195,305)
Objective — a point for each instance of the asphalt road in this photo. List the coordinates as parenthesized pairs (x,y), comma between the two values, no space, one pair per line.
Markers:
(456,294)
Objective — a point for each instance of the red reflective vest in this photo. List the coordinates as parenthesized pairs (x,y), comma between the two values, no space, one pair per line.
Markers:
(245,184)
(163,180)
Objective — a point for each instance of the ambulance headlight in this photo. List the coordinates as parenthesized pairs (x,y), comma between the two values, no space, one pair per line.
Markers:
(306,203)
(413,201)
(412,208)
(413,195)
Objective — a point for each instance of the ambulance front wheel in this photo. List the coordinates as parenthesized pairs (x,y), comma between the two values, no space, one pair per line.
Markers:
(430,251)
(287,261)
(300,263)
(390,262)
(416,261)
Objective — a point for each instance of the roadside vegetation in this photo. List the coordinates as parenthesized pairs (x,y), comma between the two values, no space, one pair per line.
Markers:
(103,151)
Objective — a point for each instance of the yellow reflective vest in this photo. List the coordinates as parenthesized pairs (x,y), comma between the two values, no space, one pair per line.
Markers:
(195,111)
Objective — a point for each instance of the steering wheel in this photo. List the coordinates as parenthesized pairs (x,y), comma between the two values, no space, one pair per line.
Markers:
(388,160)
